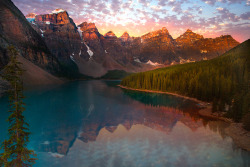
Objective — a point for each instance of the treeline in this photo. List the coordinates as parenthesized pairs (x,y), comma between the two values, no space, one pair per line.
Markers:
(223,81)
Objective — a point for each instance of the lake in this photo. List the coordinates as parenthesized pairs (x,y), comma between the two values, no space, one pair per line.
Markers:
(96,123)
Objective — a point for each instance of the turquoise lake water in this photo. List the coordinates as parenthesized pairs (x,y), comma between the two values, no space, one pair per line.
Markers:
(96,123)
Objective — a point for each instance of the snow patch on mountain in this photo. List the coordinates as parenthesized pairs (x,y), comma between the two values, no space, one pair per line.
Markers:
(152,63)
(80,52)
(72,58)
(137,60)
(42,32)
(182,61)
(89,51)
(80,32)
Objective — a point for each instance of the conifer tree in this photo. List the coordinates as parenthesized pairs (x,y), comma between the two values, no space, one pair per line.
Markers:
(15,151)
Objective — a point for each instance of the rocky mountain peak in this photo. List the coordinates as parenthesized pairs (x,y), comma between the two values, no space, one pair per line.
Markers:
(110,34)
(226,36)
(125,35)
(164,30)
(57,16)
(226,40)
(89,31)
(188,37)
(157,33)
(87,26)
(31,15)
(189,31)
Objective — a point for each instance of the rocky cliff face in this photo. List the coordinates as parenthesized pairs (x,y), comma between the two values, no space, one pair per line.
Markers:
(194,47)
(16,30)
(61,17)
(216,46)
(125,39)
(89,31)
(158,46)
(188,38)
(31,15)
(110,37)
(61,36)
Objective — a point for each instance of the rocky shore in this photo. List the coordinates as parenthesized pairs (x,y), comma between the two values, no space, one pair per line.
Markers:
(240,136)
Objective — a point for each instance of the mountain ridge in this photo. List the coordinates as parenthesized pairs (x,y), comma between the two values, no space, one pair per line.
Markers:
(151,50)
(82,48)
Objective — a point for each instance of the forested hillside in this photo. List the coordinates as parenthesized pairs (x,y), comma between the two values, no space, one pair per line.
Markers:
(223,81)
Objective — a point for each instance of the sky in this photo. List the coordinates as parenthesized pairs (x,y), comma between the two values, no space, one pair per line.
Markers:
(210,18)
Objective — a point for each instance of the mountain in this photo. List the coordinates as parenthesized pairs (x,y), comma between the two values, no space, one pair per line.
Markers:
(125,37)
(188,38)
(223,80)
(16,30)
(110,36)
(158,46)
(61,36)
(89,31)
(30,17)
(194,47)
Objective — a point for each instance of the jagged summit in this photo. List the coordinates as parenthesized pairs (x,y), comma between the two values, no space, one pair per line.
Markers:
(89,31)
(189,31)
(188,37)
(160,32)
(57,16)
(110,34)
(84,26)
(31,15)
(164,29)
(125,37)
(125,34)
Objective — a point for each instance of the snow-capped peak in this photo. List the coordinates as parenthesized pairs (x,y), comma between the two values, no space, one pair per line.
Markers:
(57,11)
(152,63)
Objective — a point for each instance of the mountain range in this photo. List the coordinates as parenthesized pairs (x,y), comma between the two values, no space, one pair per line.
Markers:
(54,44)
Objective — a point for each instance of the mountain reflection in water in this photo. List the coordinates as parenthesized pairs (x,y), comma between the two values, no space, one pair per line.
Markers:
(96,123)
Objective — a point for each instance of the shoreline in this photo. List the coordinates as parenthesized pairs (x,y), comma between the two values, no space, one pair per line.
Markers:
(240,136)
(169,93)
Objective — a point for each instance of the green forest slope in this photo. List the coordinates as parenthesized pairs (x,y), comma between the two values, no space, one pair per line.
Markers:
(223,80)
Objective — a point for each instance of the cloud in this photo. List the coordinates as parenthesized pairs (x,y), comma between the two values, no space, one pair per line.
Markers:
(245,16)
(213,2)
(220,9)
(248,3)
(225,14)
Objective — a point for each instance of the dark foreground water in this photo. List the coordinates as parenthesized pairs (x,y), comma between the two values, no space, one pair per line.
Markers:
(96,123)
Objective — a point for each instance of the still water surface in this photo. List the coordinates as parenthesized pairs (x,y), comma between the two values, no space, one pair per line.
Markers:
(96,123)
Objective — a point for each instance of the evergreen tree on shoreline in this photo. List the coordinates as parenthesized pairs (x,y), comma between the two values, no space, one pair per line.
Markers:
(15,147)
